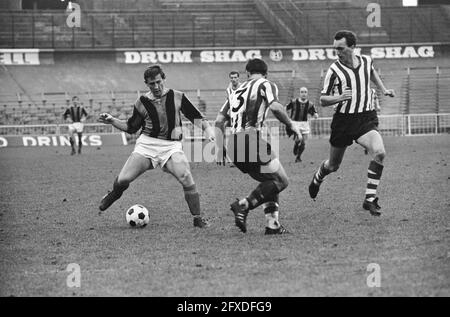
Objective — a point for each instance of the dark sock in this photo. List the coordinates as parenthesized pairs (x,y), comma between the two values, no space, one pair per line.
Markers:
(120,188)
(193,199)
(374,175)
(263,193)
(320,174)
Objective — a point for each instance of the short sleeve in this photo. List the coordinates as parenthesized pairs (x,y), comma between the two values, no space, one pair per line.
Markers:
(329,82)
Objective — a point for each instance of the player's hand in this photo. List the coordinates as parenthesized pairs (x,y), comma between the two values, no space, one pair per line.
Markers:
(389,92)
(346,95)
(210,135)
(294,130)
(105,118)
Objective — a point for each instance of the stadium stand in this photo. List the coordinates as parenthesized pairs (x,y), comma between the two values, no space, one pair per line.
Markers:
(39,94)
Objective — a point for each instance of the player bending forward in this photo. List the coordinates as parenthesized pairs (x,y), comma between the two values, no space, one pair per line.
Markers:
(158,113)
(246,108)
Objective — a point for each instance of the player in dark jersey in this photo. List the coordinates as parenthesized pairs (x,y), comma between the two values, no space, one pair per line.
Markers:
(355,118)
(299,109)
(246,109)
(158,115)
(77,115)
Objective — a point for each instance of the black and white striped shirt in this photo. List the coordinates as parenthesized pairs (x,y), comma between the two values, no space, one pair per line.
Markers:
(339,77)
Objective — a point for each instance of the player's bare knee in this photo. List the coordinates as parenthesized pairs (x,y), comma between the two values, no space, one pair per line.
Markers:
(185,178)
(379,155)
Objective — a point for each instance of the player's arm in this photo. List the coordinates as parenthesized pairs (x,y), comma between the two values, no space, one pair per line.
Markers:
(280,113)
(132,125)
(194,115)
(327,98)
(66,114)
(375,77)
(314,112)
(84,115)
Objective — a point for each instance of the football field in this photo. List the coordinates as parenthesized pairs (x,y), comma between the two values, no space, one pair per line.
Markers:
(49,219)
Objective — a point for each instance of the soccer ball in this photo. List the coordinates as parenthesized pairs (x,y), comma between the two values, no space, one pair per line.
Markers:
(137,216)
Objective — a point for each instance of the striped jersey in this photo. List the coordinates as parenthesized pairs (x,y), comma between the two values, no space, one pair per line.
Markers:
(247,106)
(298,110)
(75,113)
(339,77)
(230,89)
(161,117)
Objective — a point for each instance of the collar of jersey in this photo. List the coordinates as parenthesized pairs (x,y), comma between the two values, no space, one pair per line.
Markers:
(151,97)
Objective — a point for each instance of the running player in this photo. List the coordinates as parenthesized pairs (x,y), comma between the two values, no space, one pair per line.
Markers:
(76,114)
(246,109)
(298,109)
(355,118)
(158,115)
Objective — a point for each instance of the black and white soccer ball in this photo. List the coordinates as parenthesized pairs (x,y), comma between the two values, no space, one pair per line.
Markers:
(137,216)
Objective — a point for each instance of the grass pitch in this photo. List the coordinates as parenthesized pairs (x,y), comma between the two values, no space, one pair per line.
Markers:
(49,219)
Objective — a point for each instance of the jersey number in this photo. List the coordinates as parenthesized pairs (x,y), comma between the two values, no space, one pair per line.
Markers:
(236,115)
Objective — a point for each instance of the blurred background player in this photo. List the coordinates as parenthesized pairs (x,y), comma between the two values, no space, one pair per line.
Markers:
(298,109)
(75,114)
(234,82)
(158,114)
(355,118)
(246,109)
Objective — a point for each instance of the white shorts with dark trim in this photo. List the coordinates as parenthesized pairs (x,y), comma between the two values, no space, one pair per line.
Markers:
(157,150)
(303,126)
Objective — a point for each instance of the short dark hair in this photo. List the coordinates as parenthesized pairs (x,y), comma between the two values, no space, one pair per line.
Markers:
(153,71)
(256,66)
(75,97)
(350,37)
(233,72)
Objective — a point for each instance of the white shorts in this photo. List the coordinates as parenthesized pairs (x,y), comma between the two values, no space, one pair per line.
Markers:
(157,150)
(76,127)
(303,126)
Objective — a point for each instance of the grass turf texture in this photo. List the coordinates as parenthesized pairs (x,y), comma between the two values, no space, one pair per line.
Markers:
(49,218)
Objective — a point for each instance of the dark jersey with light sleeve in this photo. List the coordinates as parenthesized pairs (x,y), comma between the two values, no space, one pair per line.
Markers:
(161,117)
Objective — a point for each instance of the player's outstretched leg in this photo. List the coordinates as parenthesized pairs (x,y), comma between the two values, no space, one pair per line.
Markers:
(178,166)
(112,196)
(326,167)
(134,166)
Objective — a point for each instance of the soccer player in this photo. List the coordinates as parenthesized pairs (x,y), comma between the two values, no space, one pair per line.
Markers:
(246,109)
(158,115)
(298,109)
(76,114)
(355,118)
(234,82)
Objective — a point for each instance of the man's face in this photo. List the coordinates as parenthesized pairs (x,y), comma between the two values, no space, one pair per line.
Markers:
(156,85)
(75,101)
(234,79)
(303,93)
(343,52)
